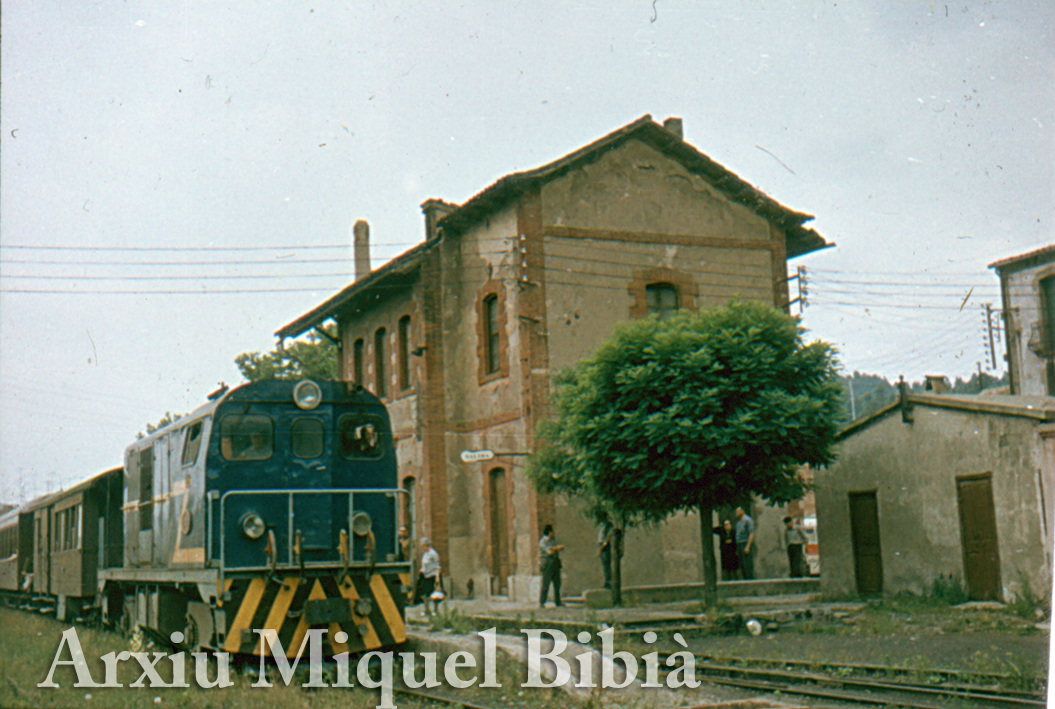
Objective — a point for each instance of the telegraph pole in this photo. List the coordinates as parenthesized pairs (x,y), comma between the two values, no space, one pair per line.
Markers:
(989,324)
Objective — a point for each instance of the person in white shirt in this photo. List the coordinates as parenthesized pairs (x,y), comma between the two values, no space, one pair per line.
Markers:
(429,578)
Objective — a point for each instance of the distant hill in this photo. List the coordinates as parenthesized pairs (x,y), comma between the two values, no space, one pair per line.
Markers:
(870,392)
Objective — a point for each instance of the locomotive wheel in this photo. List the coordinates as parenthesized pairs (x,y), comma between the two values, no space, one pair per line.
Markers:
(137,640)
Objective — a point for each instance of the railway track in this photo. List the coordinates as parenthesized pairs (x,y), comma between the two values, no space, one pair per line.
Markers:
(843,682)
(863,691)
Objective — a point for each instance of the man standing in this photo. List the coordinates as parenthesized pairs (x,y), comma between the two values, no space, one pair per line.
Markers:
(745,541)
(604,550)
(795,541)
(549,555)
(403,552)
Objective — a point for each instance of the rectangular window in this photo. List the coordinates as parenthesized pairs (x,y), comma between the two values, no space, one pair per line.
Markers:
(146,489)
(404,353)
(357,362)
(191,442)
(1047,309)
(246,437)
(379,363)
(306,437)
(661,299)
(491,333)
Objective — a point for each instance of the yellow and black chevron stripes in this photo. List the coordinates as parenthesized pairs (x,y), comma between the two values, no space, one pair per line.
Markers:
(279,604)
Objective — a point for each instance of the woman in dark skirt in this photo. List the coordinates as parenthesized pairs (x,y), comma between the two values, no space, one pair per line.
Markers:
(727,543)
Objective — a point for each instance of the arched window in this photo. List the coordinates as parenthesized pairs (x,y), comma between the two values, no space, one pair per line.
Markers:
(357,362)
(379,362)
(491,334)
(404,353)
(661,299)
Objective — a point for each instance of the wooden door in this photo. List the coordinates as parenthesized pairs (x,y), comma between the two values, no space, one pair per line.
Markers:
(868,558)
(981,558)
(499,532)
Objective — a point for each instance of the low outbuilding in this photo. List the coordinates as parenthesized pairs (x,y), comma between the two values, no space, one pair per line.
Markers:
(957,488)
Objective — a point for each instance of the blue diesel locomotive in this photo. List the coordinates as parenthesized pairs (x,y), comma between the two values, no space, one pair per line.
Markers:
(273,506)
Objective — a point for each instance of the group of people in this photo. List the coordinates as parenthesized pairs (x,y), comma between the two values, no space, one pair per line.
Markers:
(737,554)
(428,589)
(738,547)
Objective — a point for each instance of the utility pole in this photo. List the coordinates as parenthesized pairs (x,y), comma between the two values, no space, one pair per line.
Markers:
(989,324)
(803,287)
(853,404)
(991,331)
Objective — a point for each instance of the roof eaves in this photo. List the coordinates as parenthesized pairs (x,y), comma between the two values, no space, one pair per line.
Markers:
(865,421)
(1015,263)
(45,500)
(986,406)
(957,403)
(403,263)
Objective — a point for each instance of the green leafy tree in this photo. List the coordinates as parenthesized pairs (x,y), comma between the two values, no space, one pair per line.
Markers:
(314,357)
(695,412)
(165,420)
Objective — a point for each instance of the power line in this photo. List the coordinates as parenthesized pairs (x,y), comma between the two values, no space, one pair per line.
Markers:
(196,248)
(175,277)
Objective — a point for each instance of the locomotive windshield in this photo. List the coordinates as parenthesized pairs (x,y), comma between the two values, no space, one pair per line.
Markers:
(246,437)
(306,438)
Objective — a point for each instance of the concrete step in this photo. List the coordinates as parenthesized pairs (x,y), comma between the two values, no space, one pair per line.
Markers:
(676,593)
(796,599)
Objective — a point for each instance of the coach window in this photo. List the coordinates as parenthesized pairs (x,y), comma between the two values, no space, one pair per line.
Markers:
(379,363)
(360,436)
(67,529)
(191,442)
(661,299)
(306,438)
(404,353)
(357,362)
(246,437)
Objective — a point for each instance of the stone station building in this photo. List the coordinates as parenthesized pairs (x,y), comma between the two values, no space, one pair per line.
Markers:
(460,335)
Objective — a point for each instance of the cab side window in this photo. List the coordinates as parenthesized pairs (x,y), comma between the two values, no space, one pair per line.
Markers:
(360,436)
(191,442)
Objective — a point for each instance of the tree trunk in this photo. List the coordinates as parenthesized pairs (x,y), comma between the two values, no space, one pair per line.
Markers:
(617,565)
(710,570)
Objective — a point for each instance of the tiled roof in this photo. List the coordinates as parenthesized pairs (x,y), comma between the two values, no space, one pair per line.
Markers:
(1015,263)
(800,240)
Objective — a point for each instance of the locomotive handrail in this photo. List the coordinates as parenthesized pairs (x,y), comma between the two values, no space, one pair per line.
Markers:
(394,493)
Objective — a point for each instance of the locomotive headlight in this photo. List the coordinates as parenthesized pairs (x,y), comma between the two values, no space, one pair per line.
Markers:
(307,395)
(361,524)
(253,525)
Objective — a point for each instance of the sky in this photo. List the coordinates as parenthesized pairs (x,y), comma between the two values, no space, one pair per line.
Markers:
(178,179)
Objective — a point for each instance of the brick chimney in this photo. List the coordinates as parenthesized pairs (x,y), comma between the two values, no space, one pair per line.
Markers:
(673,126)
(435,210)
(361,246)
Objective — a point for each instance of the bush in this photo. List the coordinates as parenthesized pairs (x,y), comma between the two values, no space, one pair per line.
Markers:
(949,591)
